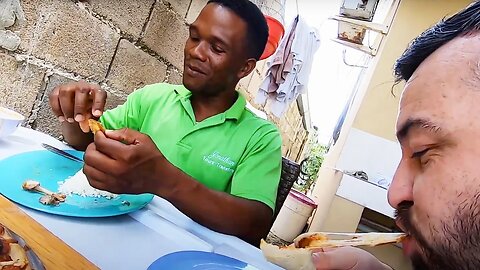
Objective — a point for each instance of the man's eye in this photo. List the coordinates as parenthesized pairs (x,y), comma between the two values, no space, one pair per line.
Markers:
(420,154)
(217,49)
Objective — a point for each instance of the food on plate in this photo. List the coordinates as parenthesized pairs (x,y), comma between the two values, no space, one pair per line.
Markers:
(12,254)
(298,256)
(49,197)
(78,184)
(95,126)
(48,200)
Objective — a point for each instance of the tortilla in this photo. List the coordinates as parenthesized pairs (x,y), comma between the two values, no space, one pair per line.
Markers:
(288,257)
(317,240)
(298,256)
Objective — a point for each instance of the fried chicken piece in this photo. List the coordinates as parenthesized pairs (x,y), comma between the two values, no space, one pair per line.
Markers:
(95,126)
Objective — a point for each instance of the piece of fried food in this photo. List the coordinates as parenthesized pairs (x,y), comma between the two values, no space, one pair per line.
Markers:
(95,126)
(12,255)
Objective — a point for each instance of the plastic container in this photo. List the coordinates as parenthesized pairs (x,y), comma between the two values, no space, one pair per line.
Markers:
(293,216)
(275,34)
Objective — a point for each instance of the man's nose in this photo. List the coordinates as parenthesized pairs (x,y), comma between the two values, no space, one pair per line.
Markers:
(199,51)
(401,188)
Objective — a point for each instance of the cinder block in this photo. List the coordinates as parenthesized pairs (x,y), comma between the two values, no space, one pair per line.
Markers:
(166,34)
(195,9)
(60,32)
(45,120)
(129,16)
(181,6)
(20,84)
(133,68)
(175,76)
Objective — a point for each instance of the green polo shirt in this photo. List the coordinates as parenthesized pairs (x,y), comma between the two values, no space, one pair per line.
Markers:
(234,151)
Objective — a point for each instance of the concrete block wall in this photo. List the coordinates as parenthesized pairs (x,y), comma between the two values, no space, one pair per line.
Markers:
(120,44)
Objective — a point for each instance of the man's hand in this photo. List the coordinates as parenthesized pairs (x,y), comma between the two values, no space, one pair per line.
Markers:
(126,161)
(347,258)
(78,102)
(74,104)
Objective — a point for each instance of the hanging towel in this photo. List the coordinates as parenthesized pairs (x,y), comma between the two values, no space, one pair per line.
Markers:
(289,69)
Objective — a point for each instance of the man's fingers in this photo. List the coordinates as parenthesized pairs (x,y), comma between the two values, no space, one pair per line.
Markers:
(99,99)
(82,104)
(100,161)
(100,180)
(338,258)
(67,101)
(125,135)
(55,103)
(84,126)
(113,148)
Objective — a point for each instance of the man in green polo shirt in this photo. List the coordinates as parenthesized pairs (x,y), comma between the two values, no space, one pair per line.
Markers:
(195,144)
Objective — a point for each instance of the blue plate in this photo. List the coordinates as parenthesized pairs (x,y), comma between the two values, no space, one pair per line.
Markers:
(49,168)
(198,260)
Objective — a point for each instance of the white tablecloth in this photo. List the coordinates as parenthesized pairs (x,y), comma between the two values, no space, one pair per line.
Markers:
(143,236)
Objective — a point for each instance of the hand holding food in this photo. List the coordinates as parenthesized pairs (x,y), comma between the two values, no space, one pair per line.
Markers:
(78,102)
(312,251)
(126,161)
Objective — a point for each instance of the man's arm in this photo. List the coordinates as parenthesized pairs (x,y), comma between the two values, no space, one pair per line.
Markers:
(127,161)
(247,219)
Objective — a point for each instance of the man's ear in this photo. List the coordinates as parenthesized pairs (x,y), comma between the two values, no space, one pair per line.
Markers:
(247,68)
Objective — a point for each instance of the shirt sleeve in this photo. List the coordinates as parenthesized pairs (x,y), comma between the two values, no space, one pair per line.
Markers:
(258,174)
(127,115)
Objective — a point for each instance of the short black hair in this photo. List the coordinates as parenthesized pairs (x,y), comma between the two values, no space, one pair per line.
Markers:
(257,28)
(463,23)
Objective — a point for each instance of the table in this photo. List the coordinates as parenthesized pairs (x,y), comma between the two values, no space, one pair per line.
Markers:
(144,235)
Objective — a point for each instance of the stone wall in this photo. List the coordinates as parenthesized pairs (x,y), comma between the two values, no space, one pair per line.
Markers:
(120,44)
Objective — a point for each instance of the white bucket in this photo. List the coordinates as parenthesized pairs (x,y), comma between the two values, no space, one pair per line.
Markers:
(293,216)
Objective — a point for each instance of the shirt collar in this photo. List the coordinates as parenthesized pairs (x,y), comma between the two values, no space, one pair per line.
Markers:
(234,112)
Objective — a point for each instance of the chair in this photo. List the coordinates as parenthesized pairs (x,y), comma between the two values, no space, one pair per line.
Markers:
(290,173)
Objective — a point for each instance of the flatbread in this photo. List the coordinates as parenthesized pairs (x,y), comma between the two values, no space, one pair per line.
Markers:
(14,256)
(298,256)
(95,126)
(317,240)
(288,257)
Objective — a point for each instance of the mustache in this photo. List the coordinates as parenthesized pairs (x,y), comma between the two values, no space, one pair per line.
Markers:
(403,216)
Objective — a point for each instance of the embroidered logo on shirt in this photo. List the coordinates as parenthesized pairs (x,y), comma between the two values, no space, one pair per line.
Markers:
(222,162)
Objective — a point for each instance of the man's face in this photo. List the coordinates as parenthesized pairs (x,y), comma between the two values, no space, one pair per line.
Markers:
(214,51)
(436,188)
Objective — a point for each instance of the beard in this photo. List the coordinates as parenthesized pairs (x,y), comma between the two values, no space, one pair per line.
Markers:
(456,246)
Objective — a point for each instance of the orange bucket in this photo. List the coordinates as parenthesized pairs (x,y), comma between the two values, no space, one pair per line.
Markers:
(275,33)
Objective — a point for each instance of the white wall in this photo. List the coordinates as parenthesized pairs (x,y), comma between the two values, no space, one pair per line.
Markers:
(376,156)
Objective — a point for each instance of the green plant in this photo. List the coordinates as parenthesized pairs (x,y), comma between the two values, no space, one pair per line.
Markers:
(310,167)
